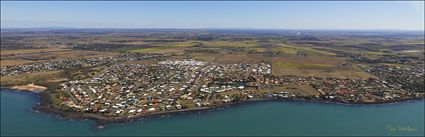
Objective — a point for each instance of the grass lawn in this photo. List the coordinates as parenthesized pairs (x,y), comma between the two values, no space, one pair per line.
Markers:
(300,90)
(36,77)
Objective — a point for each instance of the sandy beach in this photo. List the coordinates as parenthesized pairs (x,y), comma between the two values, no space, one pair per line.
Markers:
(30,87)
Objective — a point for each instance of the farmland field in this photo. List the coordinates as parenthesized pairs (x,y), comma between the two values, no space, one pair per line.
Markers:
(24,51)
(324,54)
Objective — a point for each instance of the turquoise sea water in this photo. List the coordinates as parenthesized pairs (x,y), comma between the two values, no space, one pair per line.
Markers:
(267,118)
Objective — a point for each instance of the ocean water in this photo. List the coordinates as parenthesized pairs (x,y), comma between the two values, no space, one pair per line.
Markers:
(266,118)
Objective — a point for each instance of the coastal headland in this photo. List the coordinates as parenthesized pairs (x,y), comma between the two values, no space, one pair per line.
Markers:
(45,106)
(128,75)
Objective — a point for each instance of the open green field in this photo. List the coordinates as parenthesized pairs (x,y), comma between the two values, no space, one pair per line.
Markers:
(36,77)
(160,47)
(227,44)
(257,49)
(288,65)
(18,57)
(192,45)
(10,62)
(228,58)
(145,50)
(299,49)
(22,51)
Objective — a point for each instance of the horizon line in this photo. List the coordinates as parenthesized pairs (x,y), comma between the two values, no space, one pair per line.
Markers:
(207,28)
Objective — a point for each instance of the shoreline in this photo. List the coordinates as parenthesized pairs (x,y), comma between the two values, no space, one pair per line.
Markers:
(44,106)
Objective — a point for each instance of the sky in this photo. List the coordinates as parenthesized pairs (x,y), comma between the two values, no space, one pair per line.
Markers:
(388,15)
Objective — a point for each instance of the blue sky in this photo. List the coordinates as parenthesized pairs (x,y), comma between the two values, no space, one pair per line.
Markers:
(215,14)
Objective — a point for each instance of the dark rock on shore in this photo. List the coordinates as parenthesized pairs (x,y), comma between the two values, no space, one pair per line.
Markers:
(46,106)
